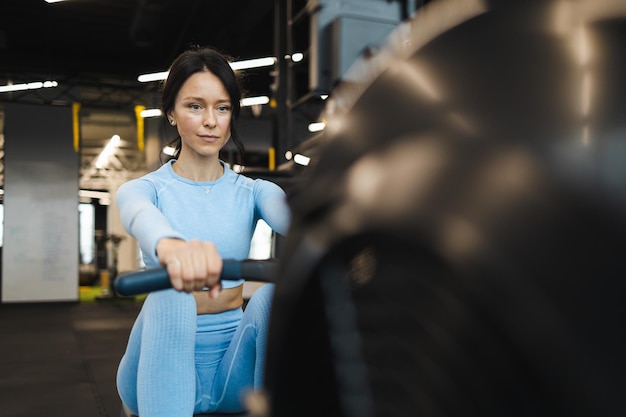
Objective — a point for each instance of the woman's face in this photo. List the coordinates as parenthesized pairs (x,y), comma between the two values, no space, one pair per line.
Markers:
(202,113)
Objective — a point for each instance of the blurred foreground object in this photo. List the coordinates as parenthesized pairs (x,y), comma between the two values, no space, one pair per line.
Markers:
(457,246)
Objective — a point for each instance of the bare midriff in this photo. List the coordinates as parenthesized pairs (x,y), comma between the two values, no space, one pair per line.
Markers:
(229,299)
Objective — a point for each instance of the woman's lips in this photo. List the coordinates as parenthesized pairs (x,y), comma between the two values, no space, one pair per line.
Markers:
(209,138)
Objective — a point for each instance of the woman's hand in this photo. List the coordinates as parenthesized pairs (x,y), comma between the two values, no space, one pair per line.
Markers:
(192,265)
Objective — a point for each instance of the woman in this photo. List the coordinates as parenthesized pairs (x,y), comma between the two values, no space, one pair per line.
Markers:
(193,350)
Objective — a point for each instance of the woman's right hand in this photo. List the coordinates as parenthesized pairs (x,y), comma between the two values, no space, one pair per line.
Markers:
(192,265)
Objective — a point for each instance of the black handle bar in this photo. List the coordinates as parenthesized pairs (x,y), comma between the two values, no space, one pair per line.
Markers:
(154,279)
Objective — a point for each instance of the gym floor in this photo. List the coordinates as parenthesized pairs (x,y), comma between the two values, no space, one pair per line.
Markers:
(60,359)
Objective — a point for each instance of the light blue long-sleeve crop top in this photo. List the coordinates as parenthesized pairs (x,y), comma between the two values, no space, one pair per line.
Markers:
(163,204)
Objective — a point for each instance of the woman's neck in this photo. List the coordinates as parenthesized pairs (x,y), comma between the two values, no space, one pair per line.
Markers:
(199,171)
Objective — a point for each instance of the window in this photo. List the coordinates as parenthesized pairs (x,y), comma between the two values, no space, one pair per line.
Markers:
(87,233)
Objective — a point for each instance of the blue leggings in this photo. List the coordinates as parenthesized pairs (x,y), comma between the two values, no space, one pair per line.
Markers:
(178,363)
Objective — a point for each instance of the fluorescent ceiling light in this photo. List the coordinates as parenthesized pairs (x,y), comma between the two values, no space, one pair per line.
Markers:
(150,113)
(316,127)
(301,159)
(108,150)
(54,1)
(253,63)
(238,65)
(169,150)
(27,86)
(251,101)
(156,76)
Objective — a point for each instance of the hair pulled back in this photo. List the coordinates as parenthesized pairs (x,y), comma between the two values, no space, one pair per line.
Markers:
(203,59)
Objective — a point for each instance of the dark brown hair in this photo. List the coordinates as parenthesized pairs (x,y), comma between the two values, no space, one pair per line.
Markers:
(202,59)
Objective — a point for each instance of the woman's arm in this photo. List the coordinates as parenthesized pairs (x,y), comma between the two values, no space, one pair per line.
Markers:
(192,265)
(272,207)
(136,201)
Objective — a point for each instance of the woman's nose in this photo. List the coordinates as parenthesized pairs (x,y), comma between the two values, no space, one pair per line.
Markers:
(209,119)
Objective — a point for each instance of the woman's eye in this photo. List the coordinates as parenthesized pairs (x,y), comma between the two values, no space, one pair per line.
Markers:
(224,108)
(194,106)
